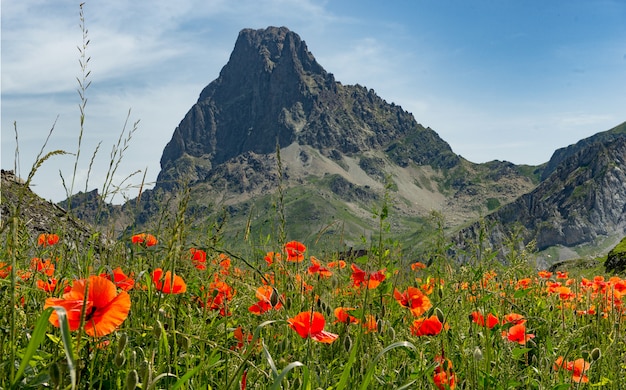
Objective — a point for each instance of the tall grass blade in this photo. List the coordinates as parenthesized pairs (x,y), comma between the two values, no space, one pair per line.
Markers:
(279,380)
(39,333)
(372,365)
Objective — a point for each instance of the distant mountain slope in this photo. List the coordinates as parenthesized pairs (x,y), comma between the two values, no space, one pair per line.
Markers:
(582,202)
(561,154)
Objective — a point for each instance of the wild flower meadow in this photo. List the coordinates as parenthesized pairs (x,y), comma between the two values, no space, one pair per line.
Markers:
(162,310)
(155,316)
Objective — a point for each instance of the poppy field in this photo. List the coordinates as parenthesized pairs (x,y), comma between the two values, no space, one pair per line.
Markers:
(157,312)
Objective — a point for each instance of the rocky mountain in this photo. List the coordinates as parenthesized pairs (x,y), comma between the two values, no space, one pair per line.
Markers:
(276,140)
(273,92)
(580,205)
(275,118)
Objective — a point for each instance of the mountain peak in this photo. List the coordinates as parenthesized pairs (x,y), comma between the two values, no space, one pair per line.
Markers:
(273,92)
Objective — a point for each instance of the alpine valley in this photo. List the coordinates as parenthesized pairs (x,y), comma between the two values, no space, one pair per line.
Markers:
(275,146)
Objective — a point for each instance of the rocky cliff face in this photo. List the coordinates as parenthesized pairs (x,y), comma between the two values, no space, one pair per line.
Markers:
(272,91)
(582,201)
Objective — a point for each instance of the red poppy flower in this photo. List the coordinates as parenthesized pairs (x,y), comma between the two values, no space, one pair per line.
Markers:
(430,326)
(561,275)
(317,268)
(241,338)
(224,263)
(166,285)
(362,278)
(198,258)
(578,367)
(5,270)
(218,296)
(144,239)
(413,299)
(47,286)
(120,279)
(295,251)
(268,299)
(517,333)
(270,257)
(478,318)
(105,309)
(443,377)
(46,267)
(46,239)
(343,315)
(311,324)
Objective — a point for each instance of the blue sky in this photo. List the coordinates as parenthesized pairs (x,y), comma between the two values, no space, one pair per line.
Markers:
(506,80)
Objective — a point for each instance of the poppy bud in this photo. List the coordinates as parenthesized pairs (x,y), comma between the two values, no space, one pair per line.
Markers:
(347,343)
(120,359)
(596,354)
(274,298)
(439,314)
(478,354)
(132,379)
(144,371)
(121,344)
(379,325)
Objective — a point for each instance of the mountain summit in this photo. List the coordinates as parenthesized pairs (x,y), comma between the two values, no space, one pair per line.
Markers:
(273,92)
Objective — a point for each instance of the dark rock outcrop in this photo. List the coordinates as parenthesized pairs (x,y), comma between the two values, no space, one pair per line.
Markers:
(616,258)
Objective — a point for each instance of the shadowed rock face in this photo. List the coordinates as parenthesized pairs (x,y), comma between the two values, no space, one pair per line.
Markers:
(583,199)
(272,91)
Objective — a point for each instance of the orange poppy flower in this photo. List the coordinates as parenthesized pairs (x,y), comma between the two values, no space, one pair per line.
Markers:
(523,283)
(478,318)
(144,239)
(418,265)
(120,279)
(513,318)
(362,278)
(317,268)
(166,285)
(46,266)
(370,324)
(544,274)
(198,258)
(561,275)
(517,333)
(430,326)
(295,251)
(105,309)
(5,270)
(311,324)
(268,299)
(413,299)
(46,239)
(337,264)
(343,315)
